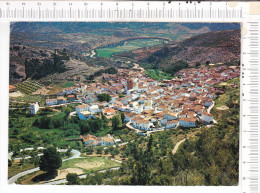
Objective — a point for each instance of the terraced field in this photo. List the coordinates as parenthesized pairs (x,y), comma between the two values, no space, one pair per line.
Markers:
(28,87)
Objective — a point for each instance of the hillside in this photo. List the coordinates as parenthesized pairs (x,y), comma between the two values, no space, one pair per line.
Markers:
(33,44)
(217,46)
(45,65)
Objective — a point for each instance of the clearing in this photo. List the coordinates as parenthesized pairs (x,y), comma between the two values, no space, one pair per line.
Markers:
(90,163)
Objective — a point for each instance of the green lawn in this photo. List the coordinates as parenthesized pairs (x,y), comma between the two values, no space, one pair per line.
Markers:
(90,163)
(68,84)
(157,74)
(131,45)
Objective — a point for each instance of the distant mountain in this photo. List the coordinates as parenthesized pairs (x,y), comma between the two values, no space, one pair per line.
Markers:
(213,26)
(217,46)
(85,27)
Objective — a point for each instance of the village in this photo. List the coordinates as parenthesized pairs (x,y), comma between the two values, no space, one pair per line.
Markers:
(148,105)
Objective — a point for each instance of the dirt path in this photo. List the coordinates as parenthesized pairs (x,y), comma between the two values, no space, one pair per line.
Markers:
(176,147)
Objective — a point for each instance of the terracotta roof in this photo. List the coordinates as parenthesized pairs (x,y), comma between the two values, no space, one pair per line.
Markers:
(173,121)
(11,87)
(207,114)
(109,110)
(188,119)
(82,106)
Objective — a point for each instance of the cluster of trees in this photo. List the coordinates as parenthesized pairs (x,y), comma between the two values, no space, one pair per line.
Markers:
(110,70)
(100,150)
(104,97)
(73,126)
(158,74)
(174,68)
(118,121)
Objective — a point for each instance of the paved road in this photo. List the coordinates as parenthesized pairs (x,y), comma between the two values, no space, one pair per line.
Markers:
(81,176)
(13,179)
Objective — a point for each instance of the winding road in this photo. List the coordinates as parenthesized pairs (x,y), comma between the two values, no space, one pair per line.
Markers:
(62,181)
(12,180)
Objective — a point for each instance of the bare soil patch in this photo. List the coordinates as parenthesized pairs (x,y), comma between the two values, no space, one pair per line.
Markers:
(222,108)
(89,165)
(63,173)
(41,91)
(16,94)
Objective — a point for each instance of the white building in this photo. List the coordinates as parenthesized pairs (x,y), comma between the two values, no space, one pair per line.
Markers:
(94,109)
(129,116)
(142,124)
(171,124)
(51,101)
(34,107)
(70,90)
(171,116)
(206,117)
(187,122)
(138,109)
(83,107)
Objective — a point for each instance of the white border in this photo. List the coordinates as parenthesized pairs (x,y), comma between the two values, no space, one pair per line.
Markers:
(4,61)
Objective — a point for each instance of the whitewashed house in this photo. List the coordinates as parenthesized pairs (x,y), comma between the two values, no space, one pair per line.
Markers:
(163,121)
(208,102)
(138,109)
(142,124)
(187,122)
(34,107)
(83,107)
(94,109)
(170,116)
(129,116)
(51,101)
(206,117)
(171,124)
(69,90)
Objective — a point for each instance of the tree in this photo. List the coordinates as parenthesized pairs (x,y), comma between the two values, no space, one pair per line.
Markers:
(36,161)
(116,122)
(106,151)
(67,111)
(89,150)
(44,122)
(99,150)
(50,161)
(9,163)
(68,152)
(197,64)
(122,116)
(72,179)
(114,152)
(104,97)
(207,62)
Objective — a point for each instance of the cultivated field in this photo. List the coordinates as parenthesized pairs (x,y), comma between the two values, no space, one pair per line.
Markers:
(128,45)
